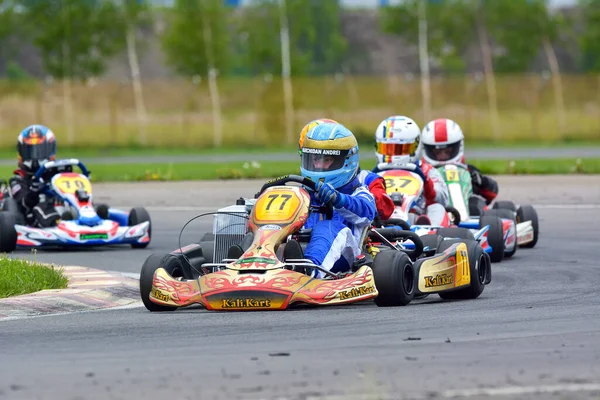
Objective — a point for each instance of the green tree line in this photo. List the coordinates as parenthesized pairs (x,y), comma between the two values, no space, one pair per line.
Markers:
(76,38)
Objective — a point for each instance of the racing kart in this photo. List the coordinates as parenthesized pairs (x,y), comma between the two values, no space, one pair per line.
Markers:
(405,187)
(81,224)
(254,260)
(519,223)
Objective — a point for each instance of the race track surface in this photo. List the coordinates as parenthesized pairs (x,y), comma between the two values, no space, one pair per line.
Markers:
(534,331)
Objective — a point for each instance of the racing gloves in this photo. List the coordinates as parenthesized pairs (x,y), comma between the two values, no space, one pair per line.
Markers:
(325,193)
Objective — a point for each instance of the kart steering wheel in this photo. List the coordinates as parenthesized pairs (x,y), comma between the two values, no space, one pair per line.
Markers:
(326,209)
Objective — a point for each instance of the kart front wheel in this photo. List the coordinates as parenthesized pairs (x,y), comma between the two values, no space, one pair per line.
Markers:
(505,214)
(8,233)
(171,264)
(495,236)
(137,215)
(528,213)
(394,278)
(478,269)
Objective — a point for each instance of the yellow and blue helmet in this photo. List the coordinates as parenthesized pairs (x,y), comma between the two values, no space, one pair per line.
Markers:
(330,154)
(308,127)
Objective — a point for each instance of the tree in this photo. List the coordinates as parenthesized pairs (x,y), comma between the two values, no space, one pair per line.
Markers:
(75,38)
(8,27)
(136,15)
(316,43)
(450,28)
(590,35)
(196,43)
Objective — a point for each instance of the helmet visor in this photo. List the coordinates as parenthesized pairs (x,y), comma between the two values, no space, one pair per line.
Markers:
(442,152)
(320,160)
(396,149)
(38,151)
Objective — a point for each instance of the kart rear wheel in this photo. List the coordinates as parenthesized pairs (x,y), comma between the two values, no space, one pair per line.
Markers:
(528,213)
(8,233)
(137,215)
(495,236)
(506,214)
(394,278)
(504,205)
(10,205)
(171,264)
(478,268)
(460,233)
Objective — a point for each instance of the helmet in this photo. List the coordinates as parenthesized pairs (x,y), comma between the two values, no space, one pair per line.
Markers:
(36,145)
(330,154)
(397,141)
(308,127)
(443,142)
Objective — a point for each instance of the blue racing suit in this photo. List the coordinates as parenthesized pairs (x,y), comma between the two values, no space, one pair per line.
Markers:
(335,243)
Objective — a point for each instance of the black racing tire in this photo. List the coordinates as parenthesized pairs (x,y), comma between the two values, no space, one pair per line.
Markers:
(102,210)
(394,277)
(460,233)
(10,205)
(495,236)
(504,205)
(171,264)
(8,233)
(507,214)
(137,215)
(528,213)
(477,268)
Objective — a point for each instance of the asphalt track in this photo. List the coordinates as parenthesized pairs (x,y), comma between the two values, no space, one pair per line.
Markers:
(534,333)
(471,154)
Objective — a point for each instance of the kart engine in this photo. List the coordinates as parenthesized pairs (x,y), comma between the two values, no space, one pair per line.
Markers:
(230,228)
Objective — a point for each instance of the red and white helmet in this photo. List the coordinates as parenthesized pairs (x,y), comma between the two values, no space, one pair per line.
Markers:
(443,142)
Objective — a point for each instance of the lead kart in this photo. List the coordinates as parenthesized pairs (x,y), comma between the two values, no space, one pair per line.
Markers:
(520,226)
(258,245)
(81,223)
(405,187)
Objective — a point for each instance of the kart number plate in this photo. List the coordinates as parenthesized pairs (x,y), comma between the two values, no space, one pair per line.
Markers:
(70,183)
(452,175)
(407,184)
(277,206)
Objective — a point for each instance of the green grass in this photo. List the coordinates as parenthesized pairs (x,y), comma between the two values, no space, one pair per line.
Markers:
(180,114)
(19,277)
(269,169)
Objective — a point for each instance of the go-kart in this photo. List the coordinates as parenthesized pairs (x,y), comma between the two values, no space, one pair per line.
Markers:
(405,187)
(81,224)
(519,223)
(253,260)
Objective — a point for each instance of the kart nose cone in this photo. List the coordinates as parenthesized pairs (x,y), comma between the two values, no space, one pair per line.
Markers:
(246,300)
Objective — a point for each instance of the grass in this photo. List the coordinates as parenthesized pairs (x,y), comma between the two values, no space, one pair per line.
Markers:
(19,277)
(269,169)
(180,114)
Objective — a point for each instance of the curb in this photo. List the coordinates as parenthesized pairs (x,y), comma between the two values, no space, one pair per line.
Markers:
(88,289)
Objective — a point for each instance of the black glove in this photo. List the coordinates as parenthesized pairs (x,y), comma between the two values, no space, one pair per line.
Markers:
(36,186)
(476,177)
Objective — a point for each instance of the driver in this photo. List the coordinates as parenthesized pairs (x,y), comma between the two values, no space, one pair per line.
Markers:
(330,158)
(36,145)
(397,142)
(374,182)
(444,143)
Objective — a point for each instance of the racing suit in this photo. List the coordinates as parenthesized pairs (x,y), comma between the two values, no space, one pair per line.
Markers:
(38,210)
(335,243)
(483,186)
(435,196)
(376,185)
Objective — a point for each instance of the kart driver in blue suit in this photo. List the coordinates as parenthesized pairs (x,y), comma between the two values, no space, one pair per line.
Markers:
(330,158)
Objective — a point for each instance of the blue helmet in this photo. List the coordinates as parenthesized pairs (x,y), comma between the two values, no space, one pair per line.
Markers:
(330,154)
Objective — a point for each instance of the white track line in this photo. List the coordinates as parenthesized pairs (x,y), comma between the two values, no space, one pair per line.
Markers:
(519,390)
(135,304)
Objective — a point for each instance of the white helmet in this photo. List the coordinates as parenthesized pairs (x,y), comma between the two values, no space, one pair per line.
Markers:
(443,142)
(397,141)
